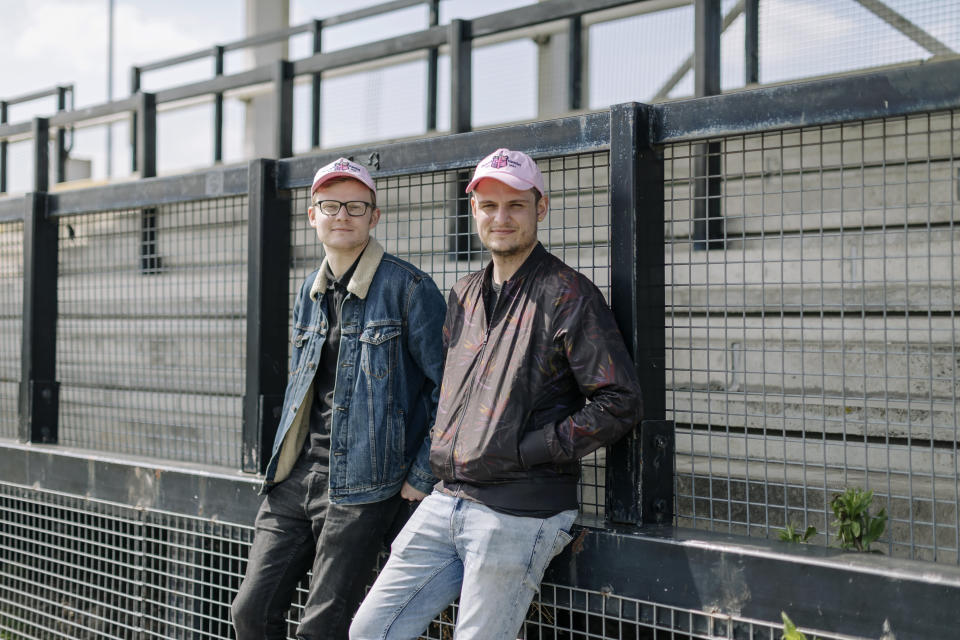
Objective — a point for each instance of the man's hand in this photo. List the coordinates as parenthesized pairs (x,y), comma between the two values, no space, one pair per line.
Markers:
(411,494)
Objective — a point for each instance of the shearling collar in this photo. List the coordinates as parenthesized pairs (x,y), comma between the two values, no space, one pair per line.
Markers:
(359,284)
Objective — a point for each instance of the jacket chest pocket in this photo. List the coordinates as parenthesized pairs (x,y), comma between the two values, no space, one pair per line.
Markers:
(379,345)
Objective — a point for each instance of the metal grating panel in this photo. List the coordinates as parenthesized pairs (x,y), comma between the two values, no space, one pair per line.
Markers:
(151,333)
(80,568)
(417,224)
(814,348)
(11,325)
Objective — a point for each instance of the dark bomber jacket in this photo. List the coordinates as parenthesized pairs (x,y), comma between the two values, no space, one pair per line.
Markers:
(514,417)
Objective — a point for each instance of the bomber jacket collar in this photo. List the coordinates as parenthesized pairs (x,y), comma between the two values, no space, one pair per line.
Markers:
(535,257)
(359,284)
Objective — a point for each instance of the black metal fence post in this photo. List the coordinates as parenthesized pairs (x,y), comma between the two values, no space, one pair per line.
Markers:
(575,63)
(268,266)
(39,390)
(432,55)
(60,169)
(134,123)
(283,88)
(751,41)
(639,482)
(707,214)
(146,156)
(3,149)
(218,107)
(461,73)
(460,240)
(316,111)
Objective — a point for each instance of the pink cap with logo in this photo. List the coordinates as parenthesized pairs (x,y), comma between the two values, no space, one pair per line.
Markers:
(341,167)
(513,168)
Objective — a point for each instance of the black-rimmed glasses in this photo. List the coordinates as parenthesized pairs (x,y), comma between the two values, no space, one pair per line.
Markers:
(355,208)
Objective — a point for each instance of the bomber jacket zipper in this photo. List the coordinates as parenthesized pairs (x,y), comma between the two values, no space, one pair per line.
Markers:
(466,403)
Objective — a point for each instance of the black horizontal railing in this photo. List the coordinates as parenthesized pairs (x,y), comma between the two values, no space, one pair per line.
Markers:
(457,36)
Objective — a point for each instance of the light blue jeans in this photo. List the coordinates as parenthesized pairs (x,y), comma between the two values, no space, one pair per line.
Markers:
(453,547)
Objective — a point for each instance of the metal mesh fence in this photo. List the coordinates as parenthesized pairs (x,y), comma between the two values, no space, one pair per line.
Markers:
(79,568)
(425,220)
(73,567)
(151,330)
(11,325)
(815,348)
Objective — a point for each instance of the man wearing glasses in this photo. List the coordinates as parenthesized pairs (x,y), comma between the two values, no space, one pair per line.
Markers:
(353,441)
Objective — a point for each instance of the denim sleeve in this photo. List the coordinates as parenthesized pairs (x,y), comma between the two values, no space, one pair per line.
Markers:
(425,316)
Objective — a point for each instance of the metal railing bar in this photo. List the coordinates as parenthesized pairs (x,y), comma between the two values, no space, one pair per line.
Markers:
(12,209)
(574,134)
(407,43)
(217,84)
(281,34)
(215,183)
(861,97)
(36,95)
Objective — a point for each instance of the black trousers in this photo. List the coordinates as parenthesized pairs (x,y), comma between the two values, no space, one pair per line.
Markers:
(298,529)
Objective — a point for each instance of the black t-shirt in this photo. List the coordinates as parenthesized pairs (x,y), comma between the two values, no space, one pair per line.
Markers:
(317,444)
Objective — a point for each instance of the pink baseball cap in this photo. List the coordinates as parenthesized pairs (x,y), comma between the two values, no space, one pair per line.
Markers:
(513,168)
(341,167)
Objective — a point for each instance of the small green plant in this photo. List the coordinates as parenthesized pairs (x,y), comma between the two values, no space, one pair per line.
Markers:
(790,534)
(790,631)
(856,528)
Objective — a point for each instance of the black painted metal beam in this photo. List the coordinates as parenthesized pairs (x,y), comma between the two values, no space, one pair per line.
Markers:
(931,86)
(218,108)
(821,588)
(39,390)
(575,134)
(146,158)
(212,493)
(283,109)
(751,41)
(212,183)
(268,268)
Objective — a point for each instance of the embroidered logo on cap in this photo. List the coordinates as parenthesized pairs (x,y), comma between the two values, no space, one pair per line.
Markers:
(344,166)
(499,162)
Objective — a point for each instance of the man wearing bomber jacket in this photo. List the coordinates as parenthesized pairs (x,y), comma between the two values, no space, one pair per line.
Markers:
(536,376)
(353,440)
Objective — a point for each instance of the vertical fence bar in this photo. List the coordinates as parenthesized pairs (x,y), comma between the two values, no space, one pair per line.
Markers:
(146,156)
(60,169)
(218,107)
(41,154)
(639,482)
(707,215)
(134,124)
(751,41)
(461,70)
(3,149)
(461,73)
(283,92)
(39,390)
(315,89)
(432,55)
(575,63)
(268,266)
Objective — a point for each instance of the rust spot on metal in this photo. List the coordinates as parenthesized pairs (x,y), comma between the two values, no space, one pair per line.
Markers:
(577,545)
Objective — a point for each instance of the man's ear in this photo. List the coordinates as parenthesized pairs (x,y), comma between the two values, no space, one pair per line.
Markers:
(543,205)
(312,215)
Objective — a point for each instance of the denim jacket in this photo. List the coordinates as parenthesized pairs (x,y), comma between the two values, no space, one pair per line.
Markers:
(387,386)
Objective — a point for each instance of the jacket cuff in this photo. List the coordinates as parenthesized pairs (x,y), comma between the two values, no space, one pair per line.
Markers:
(533,449)
(421,481)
